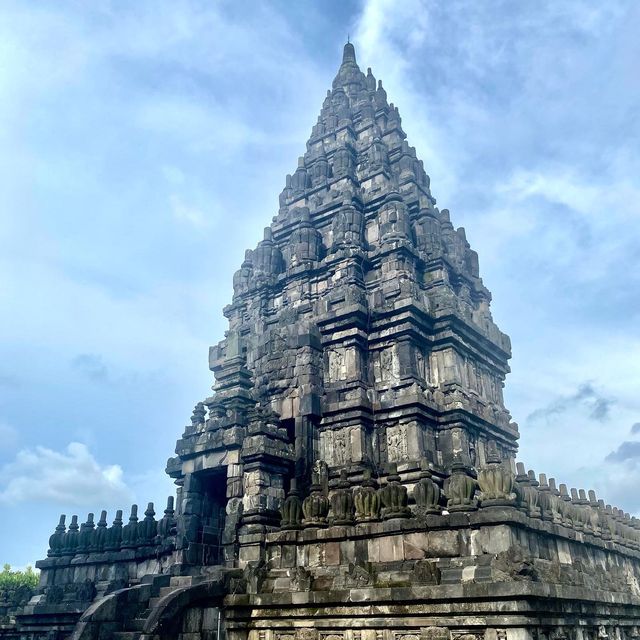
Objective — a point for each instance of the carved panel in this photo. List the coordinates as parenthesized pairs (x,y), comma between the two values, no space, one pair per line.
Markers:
(337,365)
(435,633)
(336,447)
(397,449)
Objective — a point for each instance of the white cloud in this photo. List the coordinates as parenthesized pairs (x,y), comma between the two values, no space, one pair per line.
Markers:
(540,165)
(188,213)
(71,477)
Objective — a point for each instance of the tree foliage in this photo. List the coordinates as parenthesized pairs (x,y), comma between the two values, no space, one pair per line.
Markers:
(17,585)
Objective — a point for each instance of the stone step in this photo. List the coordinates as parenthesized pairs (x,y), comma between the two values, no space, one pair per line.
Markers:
(136,624)
(125,635)
(181,581)
(156,582)
(165,591)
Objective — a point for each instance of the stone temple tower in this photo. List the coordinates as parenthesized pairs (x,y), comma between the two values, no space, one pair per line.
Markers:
(360,334)
(353,475)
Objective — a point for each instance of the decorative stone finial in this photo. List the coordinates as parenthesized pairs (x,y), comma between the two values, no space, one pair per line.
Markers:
(393,496)
(130,530)
(148,527)
(315,507)
(495,480)
(348,53)
(56,541)
(70,543)
(292,508)
(427,493)
(366,499)
(342,501)
(460,487)
(87,531)
(100,537)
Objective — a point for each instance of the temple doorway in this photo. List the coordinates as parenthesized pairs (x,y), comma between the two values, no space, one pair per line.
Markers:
(214,489)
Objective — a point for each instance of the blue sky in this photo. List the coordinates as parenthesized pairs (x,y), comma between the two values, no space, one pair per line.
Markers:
(142,149)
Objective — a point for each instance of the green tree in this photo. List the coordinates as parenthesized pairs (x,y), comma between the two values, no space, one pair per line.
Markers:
(17,586)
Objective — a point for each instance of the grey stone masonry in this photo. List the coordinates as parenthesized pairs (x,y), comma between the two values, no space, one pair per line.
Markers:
(353,474)
(359,333)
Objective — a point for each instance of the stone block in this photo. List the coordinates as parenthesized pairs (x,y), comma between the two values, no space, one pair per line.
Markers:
(192,620)
(331,553)
(443,544)
(391,548)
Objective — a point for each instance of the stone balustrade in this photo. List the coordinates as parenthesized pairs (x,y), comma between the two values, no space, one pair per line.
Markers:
(464,489)
(90,537)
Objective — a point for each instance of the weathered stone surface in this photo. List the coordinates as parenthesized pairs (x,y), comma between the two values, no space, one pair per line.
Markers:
(352,477)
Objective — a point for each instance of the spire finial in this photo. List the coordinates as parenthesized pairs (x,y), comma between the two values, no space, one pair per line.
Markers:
(349,53)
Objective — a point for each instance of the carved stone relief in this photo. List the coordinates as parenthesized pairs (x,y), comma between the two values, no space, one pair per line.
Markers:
(337,365)
(397,449)
(386,367)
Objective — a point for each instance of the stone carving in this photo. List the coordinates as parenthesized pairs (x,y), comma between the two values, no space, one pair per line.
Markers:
(342,501)
(495,481)
(130,530)
(397,443)
(243,278)
(54,594)
(381,349)
(387,366)
(347,228)
(426,493)
(300,179)
(167,525)
(393,220)
(114,533)
(70,544)
(353,577)
(301,579)
(527,492)
(565,507)
(366,499)
(56,541)
(198,415)
(548,500)
(100,537)
(148,527)
(305,242)
(292,509)
(425,572)
(435,633)
(340,446)
(460,488)
(315,507)
(85,537)
(393,496)
(337,365)
(344,162)
(267,256)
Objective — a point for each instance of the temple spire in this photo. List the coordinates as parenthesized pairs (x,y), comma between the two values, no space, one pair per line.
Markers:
(349,53)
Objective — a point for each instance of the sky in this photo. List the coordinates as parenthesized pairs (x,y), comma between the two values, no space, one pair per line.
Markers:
(142,150)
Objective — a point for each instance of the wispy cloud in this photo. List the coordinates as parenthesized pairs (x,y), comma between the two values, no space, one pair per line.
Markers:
(628,450)
(72,478)
(143,151)
(540,165)
(596,405)
(92,366)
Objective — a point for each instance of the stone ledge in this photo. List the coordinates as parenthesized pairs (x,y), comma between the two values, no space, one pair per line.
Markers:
(455,521)
(416,595)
